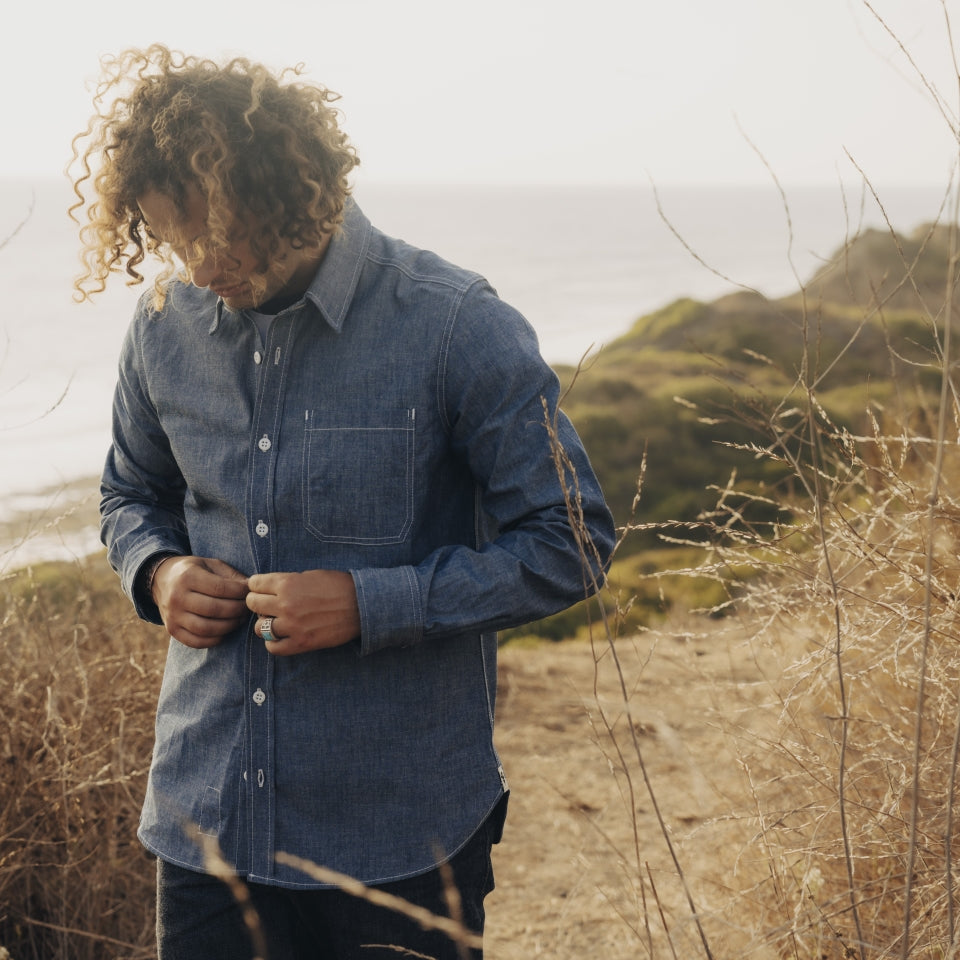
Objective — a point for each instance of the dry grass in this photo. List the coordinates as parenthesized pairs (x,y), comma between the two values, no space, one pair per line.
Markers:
(855,793)
(79,686)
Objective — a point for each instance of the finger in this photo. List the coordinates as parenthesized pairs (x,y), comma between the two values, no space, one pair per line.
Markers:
(224,581)
(265,628)
(214,585)
(266,583)
(212,577)
(195,641)
(198,626)
(223,569)
(261,602)
(284,647)
(199,633)
(214,608)
(281,648)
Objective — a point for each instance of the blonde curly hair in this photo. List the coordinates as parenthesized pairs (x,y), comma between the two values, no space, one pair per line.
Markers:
(258,146)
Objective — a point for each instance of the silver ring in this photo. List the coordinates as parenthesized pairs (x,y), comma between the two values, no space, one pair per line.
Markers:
(265,629)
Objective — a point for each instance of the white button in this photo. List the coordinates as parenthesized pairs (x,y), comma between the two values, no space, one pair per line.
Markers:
(262,529)
(258,357)
(264,443)
(259,697)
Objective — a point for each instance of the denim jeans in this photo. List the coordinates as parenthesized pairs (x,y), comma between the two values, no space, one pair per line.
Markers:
(198,917)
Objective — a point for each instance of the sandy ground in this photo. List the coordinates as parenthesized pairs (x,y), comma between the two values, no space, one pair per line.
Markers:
(573,880)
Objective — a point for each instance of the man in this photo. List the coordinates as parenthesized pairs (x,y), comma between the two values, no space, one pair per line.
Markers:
(332,480)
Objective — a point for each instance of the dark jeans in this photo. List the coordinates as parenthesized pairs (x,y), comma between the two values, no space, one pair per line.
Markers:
(198,917)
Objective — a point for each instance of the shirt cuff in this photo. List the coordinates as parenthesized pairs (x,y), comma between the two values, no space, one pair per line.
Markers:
(142,586)
(391,609)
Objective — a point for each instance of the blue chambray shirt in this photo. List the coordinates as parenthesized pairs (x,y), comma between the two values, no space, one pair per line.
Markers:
(391,425)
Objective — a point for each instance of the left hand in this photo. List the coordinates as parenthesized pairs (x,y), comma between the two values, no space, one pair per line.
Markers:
(311,610)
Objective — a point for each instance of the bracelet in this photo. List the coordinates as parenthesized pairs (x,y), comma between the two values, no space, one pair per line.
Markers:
(151,573)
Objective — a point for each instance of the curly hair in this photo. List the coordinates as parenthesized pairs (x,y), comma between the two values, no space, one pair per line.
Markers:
(258,146)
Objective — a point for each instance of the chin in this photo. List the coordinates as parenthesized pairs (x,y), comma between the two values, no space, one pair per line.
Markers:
(240,301)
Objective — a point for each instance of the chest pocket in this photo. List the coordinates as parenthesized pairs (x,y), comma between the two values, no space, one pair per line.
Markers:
(358,480)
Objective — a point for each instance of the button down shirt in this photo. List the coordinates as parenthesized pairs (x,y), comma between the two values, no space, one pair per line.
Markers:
(390,425)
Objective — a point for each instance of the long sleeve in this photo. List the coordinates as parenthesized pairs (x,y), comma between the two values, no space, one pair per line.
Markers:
(141,490)
(497,397)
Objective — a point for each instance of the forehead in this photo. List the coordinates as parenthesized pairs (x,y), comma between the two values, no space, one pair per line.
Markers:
(166,219)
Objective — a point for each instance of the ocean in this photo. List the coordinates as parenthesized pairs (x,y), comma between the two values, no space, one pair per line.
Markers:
(581,263)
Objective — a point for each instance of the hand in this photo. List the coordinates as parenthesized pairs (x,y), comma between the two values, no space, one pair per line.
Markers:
(200,599)
(311,611)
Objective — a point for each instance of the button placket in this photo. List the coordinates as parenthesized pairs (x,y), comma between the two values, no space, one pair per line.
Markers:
(264,434)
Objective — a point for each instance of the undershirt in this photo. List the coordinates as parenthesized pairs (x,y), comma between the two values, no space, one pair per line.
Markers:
(264,316)
(263,321)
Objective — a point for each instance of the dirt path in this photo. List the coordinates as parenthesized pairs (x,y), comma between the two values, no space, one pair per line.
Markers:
(567,875)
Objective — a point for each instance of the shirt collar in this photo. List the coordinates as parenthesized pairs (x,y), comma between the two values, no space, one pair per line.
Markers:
(335,282)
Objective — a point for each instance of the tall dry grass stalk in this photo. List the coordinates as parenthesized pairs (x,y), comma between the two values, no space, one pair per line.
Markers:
(78,686)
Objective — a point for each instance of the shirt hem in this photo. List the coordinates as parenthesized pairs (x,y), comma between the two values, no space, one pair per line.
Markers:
(272,881)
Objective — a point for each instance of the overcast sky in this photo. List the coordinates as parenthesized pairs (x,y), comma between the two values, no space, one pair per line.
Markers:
(597,91)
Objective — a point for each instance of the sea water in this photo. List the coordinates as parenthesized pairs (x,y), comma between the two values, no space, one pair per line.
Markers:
(581,263)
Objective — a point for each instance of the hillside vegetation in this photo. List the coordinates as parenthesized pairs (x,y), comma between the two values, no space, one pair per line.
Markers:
(696,386)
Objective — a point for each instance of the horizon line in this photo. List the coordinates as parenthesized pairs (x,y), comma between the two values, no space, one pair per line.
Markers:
(531,184)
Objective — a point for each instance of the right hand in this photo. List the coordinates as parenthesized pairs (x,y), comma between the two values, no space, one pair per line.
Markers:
(200,599)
